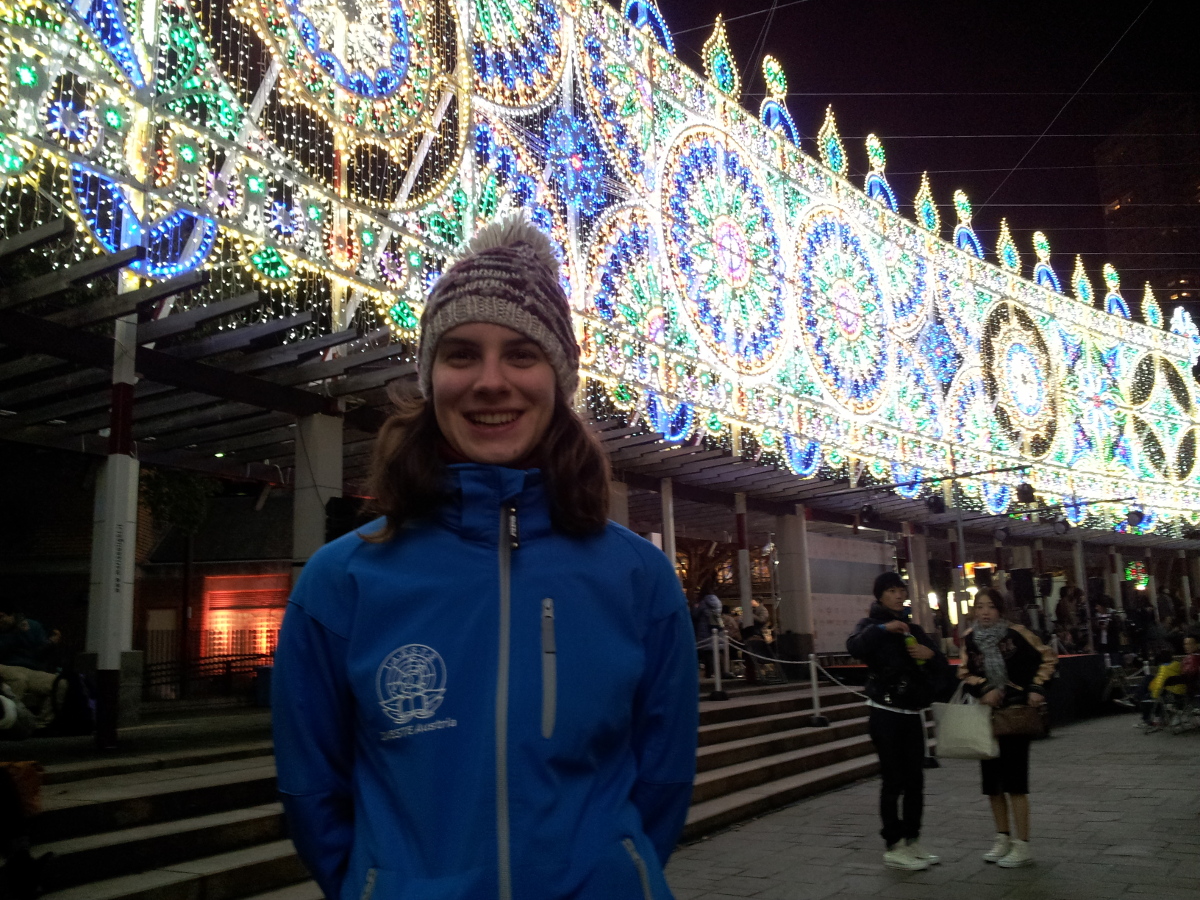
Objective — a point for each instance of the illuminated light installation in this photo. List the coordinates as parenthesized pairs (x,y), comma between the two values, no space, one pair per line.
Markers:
(1114,303)
(1043,273)
(829,143)
(773,110)
(926,210)
(1006,250)
(333,156)
(876,185)
(1137,572)
(965,238)
(1151,312)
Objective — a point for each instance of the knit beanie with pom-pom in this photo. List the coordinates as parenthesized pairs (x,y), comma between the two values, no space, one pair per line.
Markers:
(507,275)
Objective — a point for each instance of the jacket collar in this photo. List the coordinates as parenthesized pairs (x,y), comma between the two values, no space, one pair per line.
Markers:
(478,492)
(881,613)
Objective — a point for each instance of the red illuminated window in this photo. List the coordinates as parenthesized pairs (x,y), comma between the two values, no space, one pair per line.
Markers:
(242,613)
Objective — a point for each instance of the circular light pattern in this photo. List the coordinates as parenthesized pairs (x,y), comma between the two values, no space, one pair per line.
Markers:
(844,312)
(723,246)
(1017,373)
(622,279)
(70,116)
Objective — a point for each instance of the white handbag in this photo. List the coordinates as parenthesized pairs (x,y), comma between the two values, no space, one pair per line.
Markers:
(964,728)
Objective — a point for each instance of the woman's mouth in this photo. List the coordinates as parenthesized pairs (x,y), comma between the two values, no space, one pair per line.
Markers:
(492,418)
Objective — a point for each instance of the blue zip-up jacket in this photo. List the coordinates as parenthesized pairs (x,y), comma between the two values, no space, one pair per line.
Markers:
(486,709)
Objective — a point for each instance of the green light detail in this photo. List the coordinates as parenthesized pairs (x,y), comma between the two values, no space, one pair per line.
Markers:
(368,238)
(27,75)
(11,162)
(187,153)
(314,213)
(256,184)
(270,263)
(402,314)
(113,118)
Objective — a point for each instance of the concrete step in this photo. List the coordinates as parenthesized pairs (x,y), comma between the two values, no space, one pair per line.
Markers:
(743,728)
(111,854)
(721,812)
(115,802)
(64,773)
(760,747)
(756,705)
(226,876)
(740,776)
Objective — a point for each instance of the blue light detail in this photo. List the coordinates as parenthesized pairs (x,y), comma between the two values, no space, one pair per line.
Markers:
(906,478)
(879,190)
(776,117)
(936,347)
(523,62)
(646,15)
(803,456)
(967,241)
(673,424)
(107,21)
(1115,305)
(996,497)
(174,244)
(631,249)
(388,78)
(1044,276)
(575,159)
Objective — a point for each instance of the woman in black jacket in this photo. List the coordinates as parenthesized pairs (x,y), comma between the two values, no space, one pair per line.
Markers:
(904,668)
(1006,664)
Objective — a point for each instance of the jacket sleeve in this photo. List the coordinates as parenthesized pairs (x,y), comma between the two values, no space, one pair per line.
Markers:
(666,716)
(974,683)
(313,715)
(865,639)
(1049,660)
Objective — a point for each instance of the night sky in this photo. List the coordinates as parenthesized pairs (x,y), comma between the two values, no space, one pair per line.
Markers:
(963,89)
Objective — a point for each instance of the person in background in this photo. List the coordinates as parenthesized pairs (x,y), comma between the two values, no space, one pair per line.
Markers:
(904,668)
(1189,666)
(1006,664)
(491,690)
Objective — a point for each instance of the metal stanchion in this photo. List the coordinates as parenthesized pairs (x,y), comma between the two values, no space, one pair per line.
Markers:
(931,760)
(818,720)
(717,693)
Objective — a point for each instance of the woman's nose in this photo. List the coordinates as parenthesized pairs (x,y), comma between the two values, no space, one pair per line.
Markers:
(490,376)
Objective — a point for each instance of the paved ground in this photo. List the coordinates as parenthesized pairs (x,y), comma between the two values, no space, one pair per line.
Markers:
(1115,814)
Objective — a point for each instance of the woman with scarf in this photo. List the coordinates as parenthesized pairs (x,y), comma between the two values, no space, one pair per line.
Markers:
(1006,664)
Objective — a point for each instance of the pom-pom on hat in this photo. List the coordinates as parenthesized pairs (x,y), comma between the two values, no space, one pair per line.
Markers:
(506,275)
(888,580)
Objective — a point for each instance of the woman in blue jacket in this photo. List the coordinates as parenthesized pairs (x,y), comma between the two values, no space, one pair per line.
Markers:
(491,692)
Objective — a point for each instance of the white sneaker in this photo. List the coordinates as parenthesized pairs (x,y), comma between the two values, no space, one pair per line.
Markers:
(999,849)
(899,857)
(1017,857)
(916,851)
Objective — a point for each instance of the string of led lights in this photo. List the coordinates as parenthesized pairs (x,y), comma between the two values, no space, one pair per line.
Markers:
(730,284)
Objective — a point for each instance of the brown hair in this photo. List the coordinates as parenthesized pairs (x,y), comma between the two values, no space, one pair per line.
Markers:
(996,597)
(407,470)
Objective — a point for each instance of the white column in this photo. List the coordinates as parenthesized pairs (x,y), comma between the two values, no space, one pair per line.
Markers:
(618,503)
(667,494)
(1152,585)
(795,580)
(318,479)
(743,566)
(1116,571)
(114,546)
(918,565)
(1185,585)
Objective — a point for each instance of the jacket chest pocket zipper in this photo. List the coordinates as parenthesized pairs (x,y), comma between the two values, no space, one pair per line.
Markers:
(640,865)
(549,669)
(369,886)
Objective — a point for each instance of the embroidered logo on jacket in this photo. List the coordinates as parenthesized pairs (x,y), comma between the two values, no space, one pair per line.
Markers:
(411,683)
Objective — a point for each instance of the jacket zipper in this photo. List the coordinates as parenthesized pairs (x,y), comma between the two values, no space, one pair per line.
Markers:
(369,887)
(640,865)
(509,541)
(549,669)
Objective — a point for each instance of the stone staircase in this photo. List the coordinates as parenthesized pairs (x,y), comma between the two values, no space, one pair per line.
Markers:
(205,824)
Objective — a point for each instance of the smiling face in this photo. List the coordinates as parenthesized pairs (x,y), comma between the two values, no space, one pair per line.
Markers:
(493,392)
